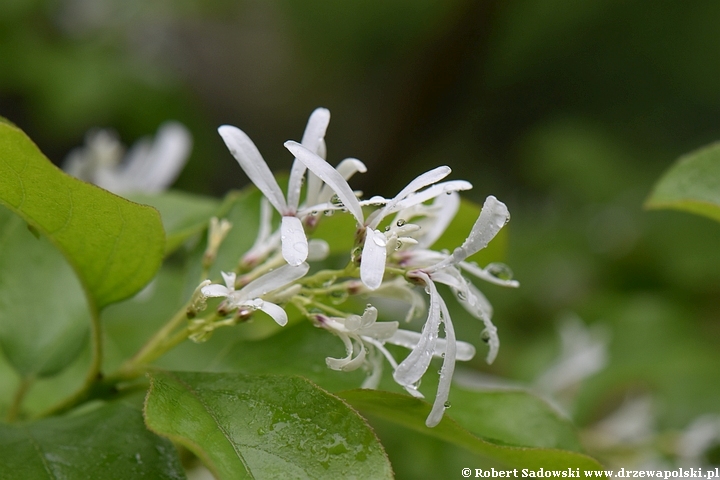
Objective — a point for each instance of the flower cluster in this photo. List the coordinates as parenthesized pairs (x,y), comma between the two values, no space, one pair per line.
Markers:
(392,257)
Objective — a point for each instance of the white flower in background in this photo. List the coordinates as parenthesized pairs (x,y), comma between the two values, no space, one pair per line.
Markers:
(250,296)
(583,352)
(292,234)
(150,166)
(375,245)
(698,438)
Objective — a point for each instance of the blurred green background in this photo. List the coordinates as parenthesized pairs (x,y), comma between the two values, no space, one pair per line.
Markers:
(566,111)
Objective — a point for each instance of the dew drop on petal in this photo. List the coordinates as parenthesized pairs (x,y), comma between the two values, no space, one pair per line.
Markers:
(485,336)
(401,222)
(499,271)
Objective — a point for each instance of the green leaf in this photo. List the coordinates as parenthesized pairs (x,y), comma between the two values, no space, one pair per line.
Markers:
(114,245)
(44,319)
(183,214)
(108,442)
(411,412)
(692,184)
(513,418)
(260,426)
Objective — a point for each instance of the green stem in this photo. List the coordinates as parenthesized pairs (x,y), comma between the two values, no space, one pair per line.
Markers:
(15,406)
(157,345)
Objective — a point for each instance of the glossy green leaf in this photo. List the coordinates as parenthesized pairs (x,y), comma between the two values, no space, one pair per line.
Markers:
(108,442)
(183,214)
(260,426)
(114,245)
(410,413)
(44,319)
(692,184)
(513,418)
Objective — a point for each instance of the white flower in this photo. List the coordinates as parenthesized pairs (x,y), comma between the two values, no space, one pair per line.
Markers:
(292,234)
(493,217)
(375,245)
(250,296)
(149,166)
(447,268)
(584,352)
(360,332)
(352,331)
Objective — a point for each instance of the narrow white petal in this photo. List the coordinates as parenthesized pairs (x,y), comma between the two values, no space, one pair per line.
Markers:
(356,362)
(275,311)
(409,339)
(348,363)
(417,362)
(215,290)
(347,168)
(493,217)
(484,274)
(493,340)
(444,188)
(434,225)
(380,330)
(250,160)
(294,241)
(446,373)
(297,173)
(314,134)
(339,363)
(476,302)
(229,279)
(273,280)
(318,250)
(372,263)
(328,175)
(419,182)
(313,140)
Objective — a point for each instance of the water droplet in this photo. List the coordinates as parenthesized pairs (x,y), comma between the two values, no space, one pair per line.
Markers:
(499,271)
(314,212)
(387,229)
(446,405)
(485,336)
(461,296)
(398,245)
(380,240)
(401,222)
(328,213)
(335,200)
